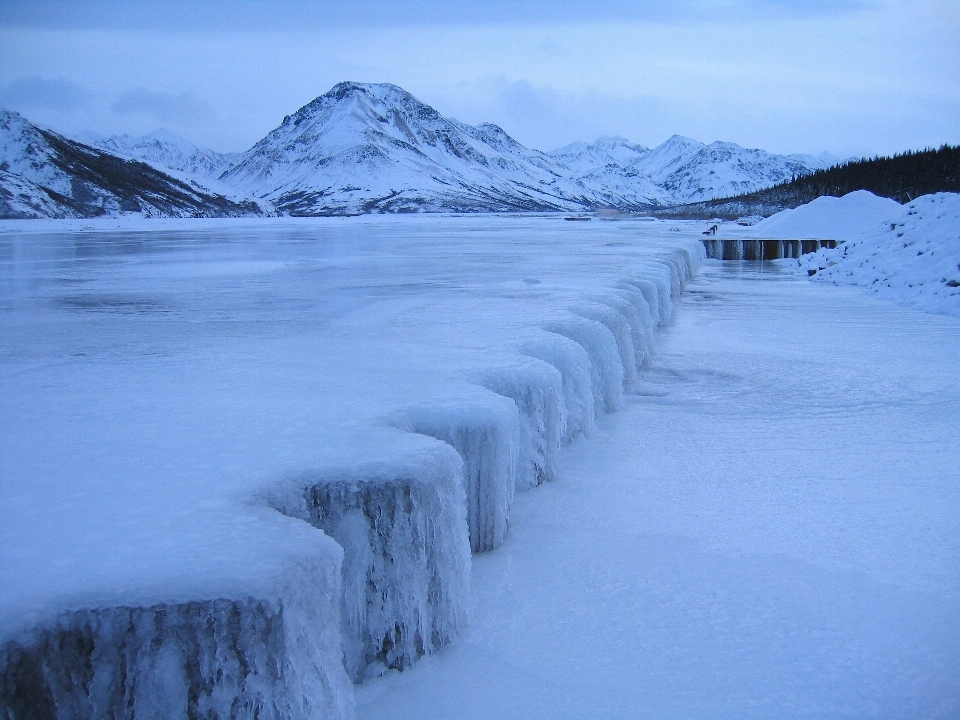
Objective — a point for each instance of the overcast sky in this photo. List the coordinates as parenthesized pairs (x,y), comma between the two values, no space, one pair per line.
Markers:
(851,77)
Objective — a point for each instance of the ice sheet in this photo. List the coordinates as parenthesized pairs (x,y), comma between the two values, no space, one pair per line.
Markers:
(771,530)
(167,386)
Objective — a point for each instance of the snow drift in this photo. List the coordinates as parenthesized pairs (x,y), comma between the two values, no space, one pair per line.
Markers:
(829,218)
(913,258)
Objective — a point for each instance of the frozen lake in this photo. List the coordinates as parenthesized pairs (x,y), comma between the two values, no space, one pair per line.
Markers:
(169,386)
(768,526)
(770,529)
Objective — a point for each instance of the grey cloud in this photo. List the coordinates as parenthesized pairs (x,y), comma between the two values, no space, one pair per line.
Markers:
(183,108)
(32,93)
(539,117)
(300,14)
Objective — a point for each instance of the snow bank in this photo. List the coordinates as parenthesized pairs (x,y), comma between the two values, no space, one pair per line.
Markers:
(913,259)
(829,218)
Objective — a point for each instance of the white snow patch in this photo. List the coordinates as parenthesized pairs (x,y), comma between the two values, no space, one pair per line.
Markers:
(912,259)
(829,218)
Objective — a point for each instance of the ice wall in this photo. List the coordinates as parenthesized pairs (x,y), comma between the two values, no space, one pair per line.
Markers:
(573,364)
(485,431)
(272,657)
(406,562)
(537,389)
(606,365)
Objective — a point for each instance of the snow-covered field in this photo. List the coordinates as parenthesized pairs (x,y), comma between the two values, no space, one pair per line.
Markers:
(770,529)
(168,387)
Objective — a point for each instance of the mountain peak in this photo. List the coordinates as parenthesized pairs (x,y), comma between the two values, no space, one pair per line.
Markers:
(681,141)
(349,91)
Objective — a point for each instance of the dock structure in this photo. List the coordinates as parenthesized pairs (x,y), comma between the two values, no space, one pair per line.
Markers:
(761,248)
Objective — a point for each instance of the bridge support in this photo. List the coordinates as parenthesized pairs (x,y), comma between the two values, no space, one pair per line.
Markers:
(761,248)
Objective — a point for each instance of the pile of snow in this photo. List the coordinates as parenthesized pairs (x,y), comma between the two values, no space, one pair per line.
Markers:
(829,218)
(914,259)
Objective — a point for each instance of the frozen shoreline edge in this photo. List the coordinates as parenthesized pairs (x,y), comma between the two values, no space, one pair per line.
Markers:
(578,368)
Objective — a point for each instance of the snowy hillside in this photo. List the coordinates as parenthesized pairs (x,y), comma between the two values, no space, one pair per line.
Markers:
(374,147)
(43,174)
(913,258)
(723,169)
(680,170)
(167,151)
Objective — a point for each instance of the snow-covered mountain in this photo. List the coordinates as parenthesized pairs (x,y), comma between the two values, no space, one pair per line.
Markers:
(43,174)
(723,169)
(680,170)
(167,151)
(375,147)
(581,157)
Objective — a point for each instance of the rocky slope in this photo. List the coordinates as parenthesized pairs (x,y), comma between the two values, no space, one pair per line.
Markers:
(43,174)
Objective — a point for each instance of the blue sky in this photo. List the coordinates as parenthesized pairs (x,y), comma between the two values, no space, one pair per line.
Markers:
(848,77)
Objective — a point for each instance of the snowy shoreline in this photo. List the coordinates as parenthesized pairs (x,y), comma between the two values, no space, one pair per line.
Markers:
(389,381)
(405,517)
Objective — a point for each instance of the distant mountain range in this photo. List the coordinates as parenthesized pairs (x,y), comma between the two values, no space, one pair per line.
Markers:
(363,148)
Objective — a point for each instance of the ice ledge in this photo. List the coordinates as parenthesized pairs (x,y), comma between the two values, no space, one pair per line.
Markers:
(406,527)
(222,658)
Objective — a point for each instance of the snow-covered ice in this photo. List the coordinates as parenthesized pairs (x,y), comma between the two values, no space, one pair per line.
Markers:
(770,529)
(169,386)
(246,462)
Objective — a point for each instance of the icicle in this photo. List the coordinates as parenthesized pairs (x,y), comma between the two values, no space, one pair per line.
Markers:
(661,276)
(617,324)
(537,389)
(248,658)
(406,564)
(636,297)
(574,365)
(606,368)
(487,436)
(623,303)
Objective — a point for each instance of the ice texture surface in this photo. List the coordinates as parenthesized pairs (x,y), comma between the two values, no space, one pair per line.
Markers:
(771,529)
(285,423)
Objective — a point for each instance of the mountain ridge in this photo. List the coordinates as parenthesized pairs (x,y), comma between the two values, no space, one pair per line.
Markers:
(44,174)
(374,147)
